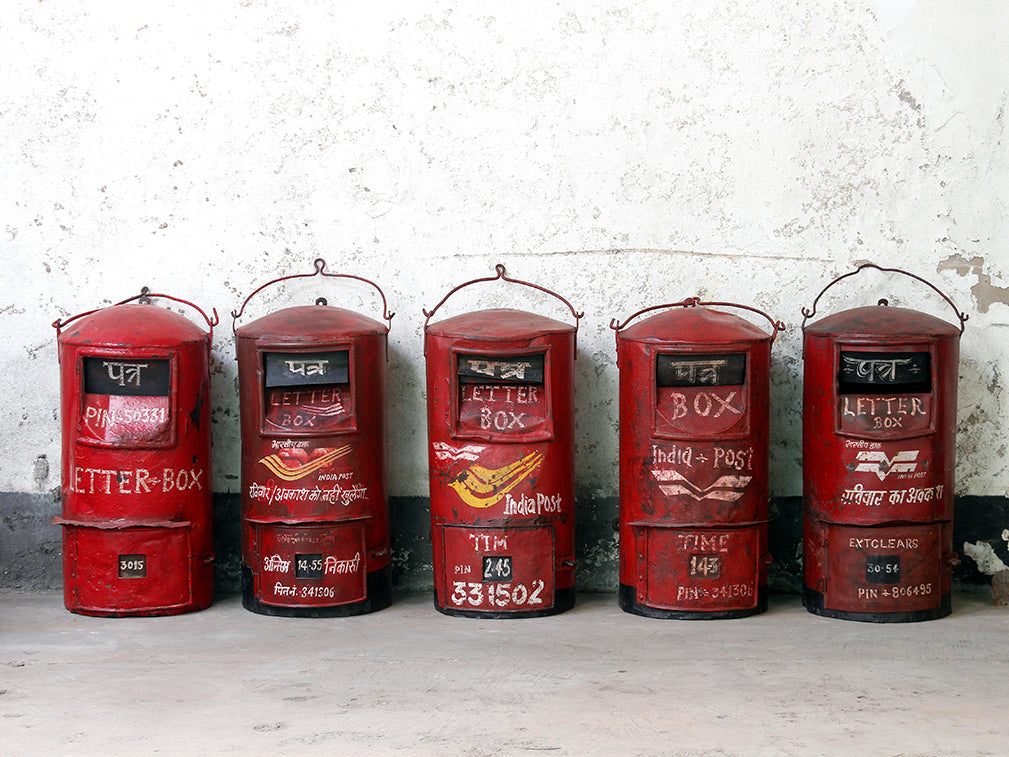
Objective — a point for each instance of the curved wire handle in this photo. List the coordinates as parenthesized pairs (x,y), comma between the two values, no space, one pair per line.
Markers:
(145,299)
(320,270)
(692,302)
(503,277)
(808,313)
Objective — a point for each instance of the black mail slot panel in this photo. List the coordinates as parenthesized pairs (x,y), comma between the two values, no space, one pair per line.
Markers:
(130,378)
(476,369)
(721,369)
(869,372)
(307,368)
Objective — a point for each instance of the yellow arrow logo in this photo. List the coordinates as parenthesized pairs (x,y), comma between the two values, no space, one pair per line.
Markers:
(480,487)
(288,472)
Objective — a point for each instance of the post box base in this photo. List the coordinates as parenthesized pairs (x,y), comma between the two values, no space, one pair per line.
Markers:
(142,612)
(140,569)
(813,601)
(378,596)
(564,599)
(628,603)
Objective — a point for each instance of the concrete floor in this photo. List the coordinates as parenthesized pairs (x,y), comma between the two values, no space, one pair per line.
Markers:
(592,681)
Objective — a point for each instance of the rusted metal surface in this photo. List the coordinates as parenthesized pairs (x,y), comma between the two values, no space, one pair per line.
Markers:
(879,432)
(1000,588)
(136,489)
(500,275)
(501,453)
(694,397)
(320,270)
(808,313)
(315,509)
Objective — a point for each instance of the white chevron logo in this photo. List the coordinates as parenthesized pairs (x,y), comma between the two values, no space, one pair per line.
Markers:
(443,451)
(876,461)
(726,488)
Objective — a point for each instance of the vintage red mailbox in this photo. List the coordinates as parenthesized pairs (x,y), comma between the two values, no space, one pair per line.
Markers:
(694,397)
(315,506)
(500,410)
(137,510)
(878,444)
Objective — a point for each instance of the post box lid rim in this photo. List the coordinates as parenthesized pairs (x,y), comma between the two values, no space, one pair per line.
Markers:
(310,320)
(499,323)
(134,324)
(876,321)
(694,325)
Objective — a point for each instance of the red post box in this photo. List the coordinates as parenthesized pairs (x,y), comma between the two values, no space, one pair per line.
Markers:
(500,410)
(878,444)
(137,510)
(315,506)
(694,398)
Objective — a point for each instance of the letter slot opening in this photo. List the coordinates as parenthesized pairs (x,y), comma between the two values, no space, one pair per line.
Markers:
(502,395)
(126,402)
(307,392)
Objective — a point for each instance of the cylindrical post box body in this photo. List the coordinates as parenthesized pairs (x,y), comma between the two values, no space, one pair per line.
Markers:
(501,452)
(694,396)
(879,434)
(137,509)
(315,509)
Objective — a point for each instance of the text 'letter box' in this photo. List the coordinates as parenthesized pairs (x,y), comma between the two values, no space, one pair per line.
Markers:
(315,507)
(501,451)
(137,509)
(694,396)
(878,445)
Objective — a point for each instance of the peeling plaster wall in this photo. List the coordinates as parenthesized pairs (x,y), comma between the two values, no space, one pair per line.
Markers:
(624,154)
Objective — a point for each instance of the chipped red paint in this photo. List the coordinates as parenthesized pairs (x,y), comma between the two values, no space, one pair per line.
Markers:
(694,396)
(137,512)
(501,451)
(315,509)
(879,433)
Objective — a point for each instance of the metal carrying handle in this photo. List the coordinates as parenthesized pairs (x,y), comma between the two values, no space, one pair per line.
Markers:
(145,299)
(808,313)
(320,270)
(501,275)
(693,302)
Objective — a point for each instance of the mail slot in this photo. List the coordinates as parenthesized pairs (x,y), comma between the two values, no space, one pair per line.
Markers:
(501,457)
(315,509)
(694,412)
(308,391)
(137,510)
(879,437)
(502,396)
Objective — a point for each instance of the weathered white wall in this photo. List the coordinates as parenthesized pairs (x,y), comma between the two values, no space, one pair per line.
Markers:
(623,153)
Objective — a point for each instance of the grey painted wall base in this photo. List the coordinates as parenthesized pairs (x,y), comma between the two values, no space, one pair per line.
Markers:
(30,548)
